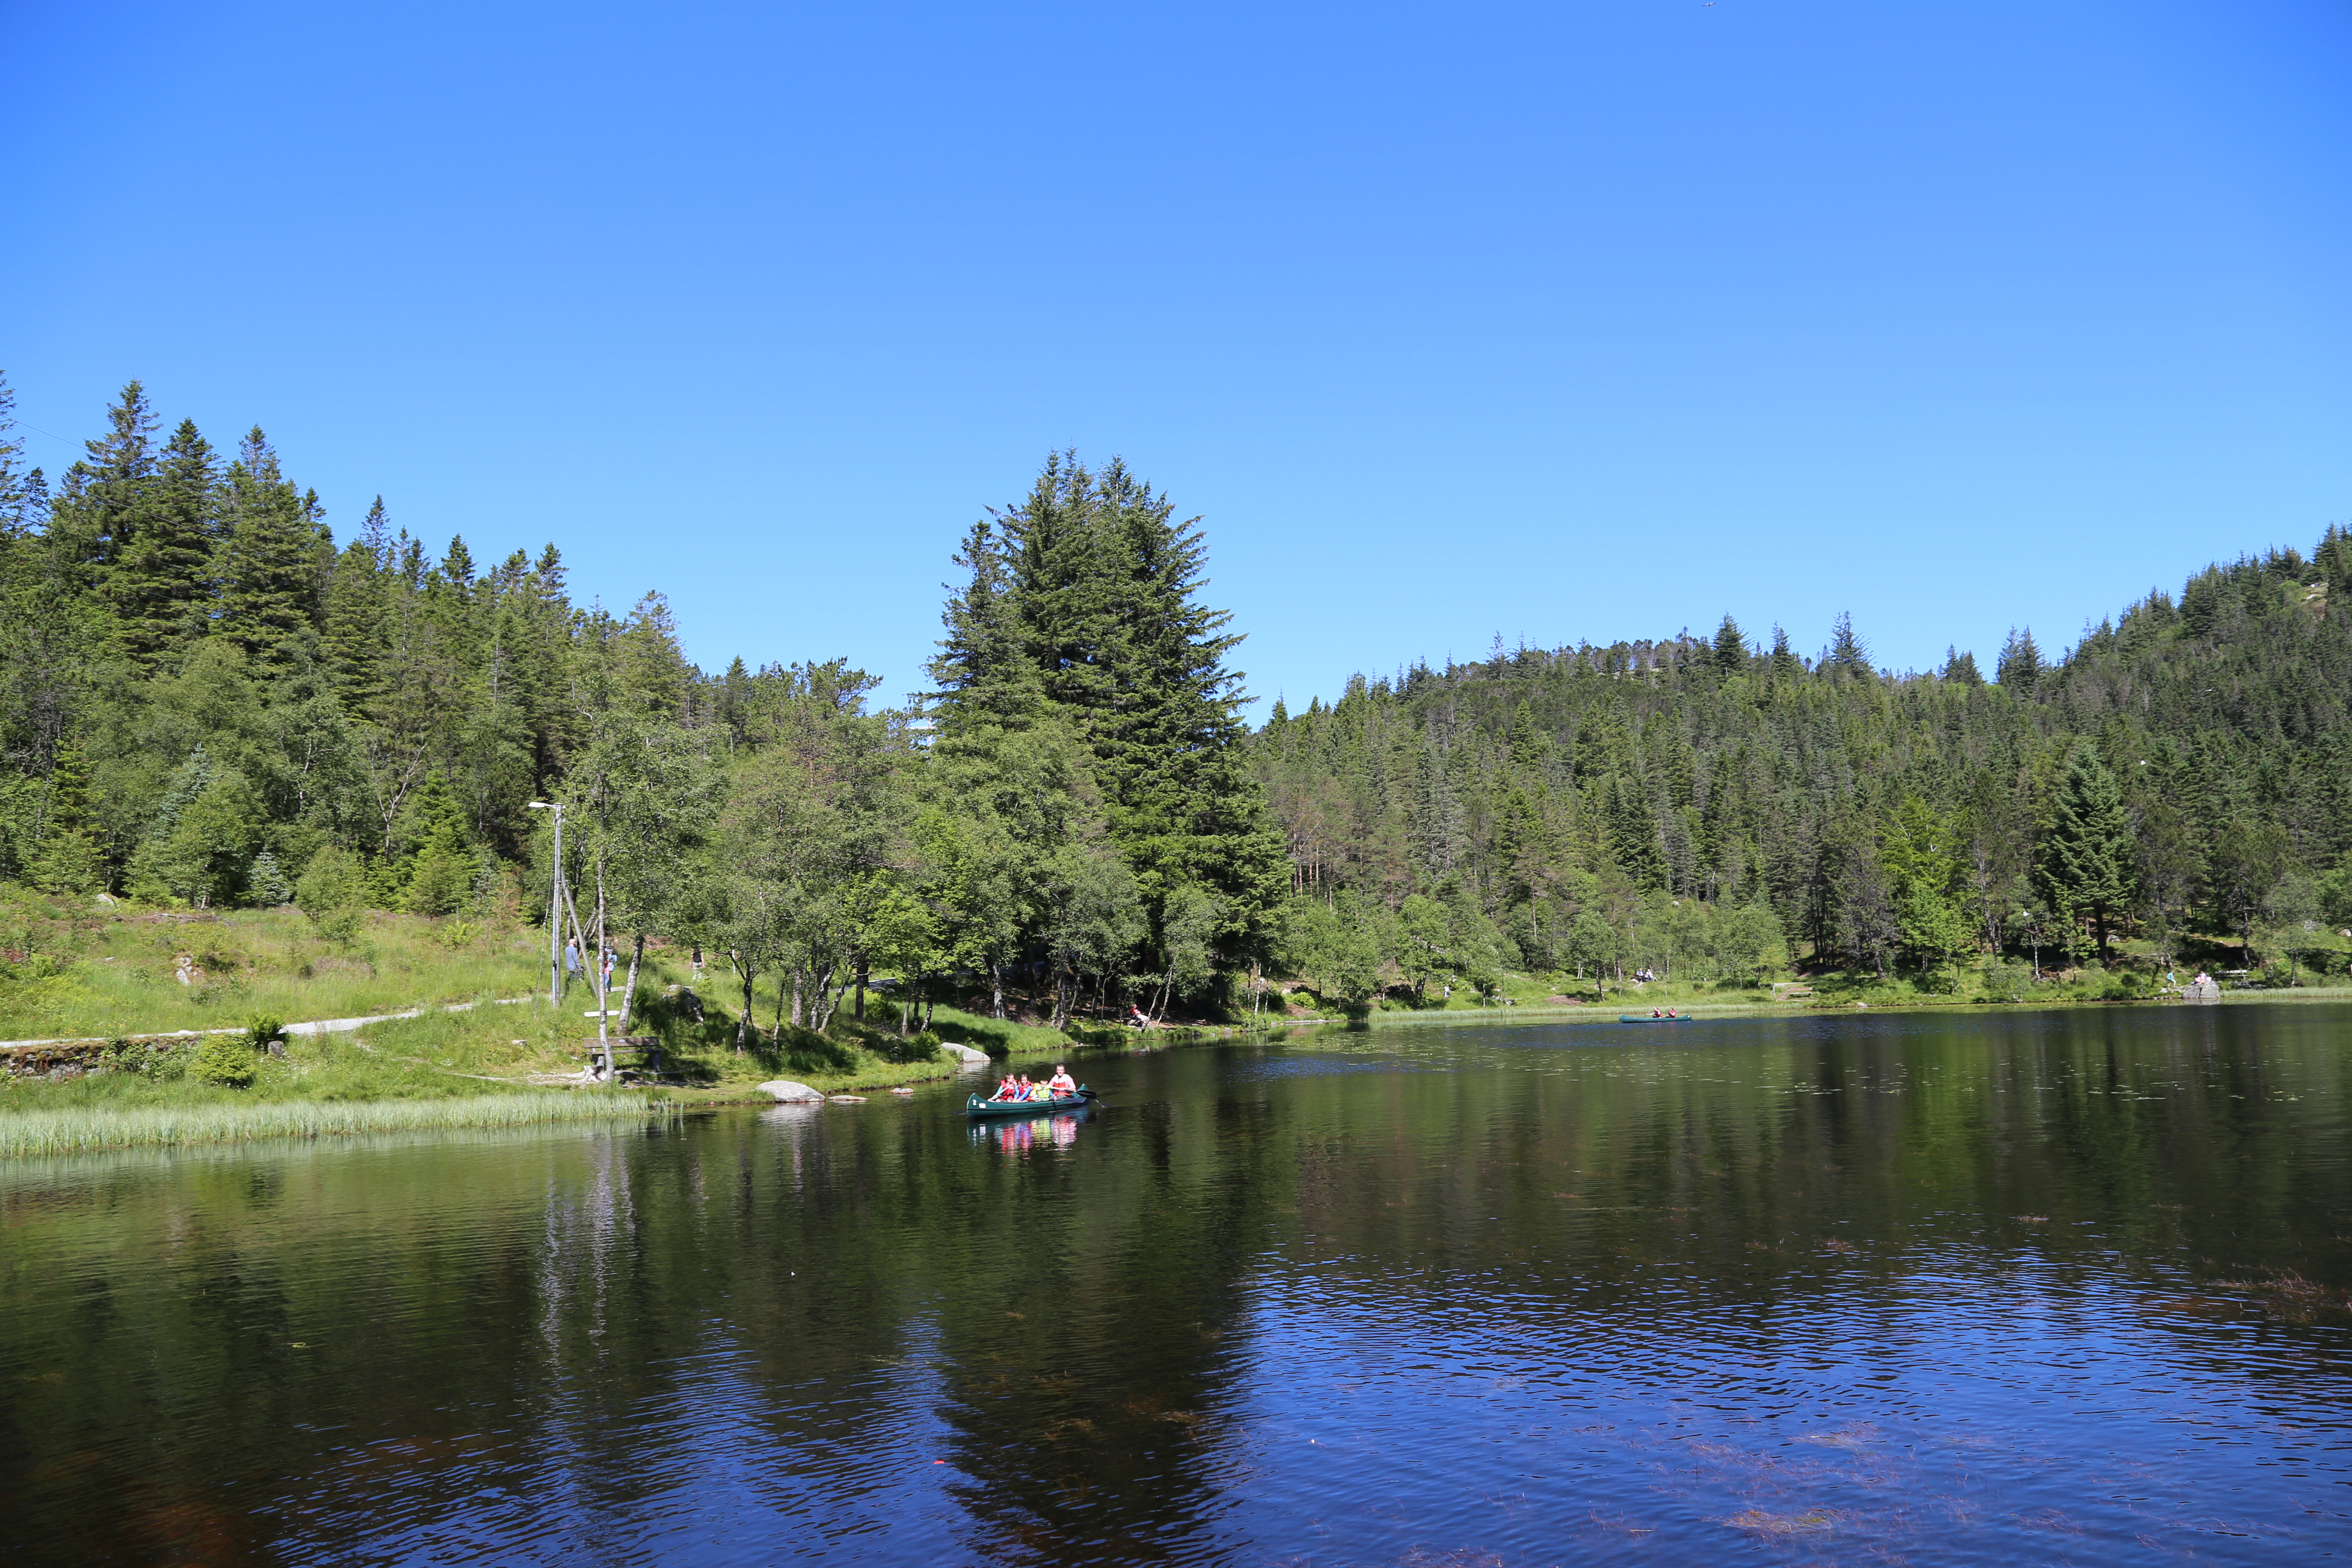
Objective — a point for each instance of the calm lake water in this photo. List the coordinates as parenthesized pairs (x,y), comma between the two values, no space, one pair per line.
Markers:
(1936,1288)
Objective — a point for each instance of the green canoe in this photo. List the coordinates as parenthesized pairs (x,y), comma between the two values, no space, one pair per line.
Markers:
(975,1106)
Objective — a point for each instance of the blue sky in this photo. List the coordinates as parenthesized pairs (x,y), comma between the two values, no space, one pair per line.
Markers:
(1578,320)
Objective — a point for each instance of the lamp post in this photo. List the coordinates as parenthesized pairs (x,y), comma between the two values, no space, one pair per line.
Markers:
(554,909)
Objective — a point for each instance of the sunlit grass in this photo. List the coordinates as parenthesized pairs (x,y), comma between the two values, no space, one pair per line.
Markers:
(92,971)
(82,1130)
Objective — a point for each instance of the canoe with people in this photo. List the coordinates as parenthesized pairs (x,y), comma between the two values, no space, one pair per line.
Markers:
(1654,1017)
(1019,1095)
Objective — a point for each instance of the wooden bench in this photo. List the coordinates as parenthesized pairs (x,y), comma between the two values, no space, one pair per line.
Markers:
(603,1059)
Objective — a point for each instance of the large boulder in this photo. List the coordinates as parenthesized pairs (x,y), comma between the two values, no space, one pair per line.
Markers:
(964,1055)
(790,1093)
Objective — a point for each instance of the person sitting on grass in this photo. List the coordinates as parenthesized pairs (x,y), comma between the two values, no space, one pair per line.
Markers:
(1061,1083)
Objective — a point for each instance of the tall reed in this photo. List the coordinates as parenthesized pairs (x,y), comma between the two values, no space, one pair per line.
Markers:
(78,1131)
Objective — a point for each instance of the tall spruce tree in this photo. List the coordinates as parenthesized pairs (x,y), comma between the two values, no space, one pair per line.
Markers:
(982,674)
(353,641)
(160,586)
(1846,657)
(2020,668)
(15,487)
(269,559)
(95,515)
(1730,649)
(2087,848)
(1093,590)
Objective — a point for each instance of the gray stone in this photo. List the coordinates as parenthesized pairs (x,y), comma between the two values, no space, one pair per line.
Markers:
(965,1055)
(790,1093)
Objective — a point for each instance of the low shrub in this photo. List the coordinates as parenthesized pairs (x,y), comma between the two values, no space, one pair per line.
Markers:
(922,1045)
(149,1059)
(228,1061)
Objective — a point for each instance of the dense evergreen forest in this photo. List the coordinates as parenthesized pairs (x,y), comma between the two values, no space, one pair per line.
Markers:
(205,700)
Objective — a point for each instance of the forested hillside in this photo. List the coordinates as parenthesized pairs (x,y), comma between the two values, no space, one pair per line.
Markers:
(210,701)
(1715,804)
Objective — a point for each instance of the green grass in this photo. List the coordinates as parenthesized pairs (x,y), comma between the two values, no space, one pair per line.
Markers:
(82,971)
(85,1128)
(88,970)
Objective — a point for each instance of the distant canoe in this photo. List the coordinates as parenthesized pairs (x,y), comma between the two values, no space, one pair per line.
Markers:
(975,1106)
(1645,1018)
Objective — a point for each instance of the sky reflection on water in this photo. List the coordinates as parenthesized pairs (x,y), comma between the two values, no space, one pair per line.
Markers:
(1936,1288)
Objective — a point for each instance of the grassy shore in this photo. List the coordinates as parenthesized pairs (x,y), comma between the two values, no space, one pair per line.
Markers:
(75,969)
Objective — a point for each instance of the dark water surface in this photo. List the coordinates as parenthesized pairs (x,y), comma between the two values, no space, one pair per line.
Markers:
(2062,1287)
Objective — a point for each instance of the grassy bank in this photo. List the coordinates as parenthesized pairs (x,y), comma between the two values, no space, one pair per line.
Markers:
(83,1129)
(73,968)
(78,968)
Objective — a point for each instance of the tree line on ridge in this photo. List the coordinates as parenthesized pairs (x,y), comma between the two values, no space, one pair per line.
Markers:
(207,700)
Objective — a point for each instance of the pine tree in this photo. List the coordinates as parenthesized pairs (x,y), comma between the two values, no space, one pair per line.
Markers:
(1786,666)
(1847,656)
(1730,651)
(981,675)
(1100,586)
(95,514)
(2087,848)
(160,586)
(15,486)
(1633,834)
(355,642)
(1961,667)
(2333,563)
(267,565)
(69,860)
(2020,669)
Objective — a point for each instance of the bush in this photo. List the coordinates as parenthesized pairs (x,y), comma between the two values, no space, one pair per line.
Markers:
(806,1050)
(159,1062)
(922,1045)
(440,882)
(333,891)
(226,1060)
(2005,981)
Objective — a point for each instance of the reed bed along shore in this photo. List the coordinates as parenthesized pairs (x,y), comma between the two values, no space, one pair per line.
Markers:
(76,1130)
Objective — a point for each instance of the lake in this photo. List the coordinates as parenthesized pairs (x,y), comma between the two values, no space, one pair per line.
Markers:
(1934,1287)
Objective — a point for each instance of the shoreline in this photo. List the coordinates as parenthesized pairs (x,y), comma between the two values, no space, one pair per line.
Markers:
(26,1134)
(1607,1012)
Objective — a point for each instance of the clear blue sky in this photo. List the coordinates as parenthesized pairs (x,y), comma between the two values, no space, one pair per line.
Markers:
(1556,322)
